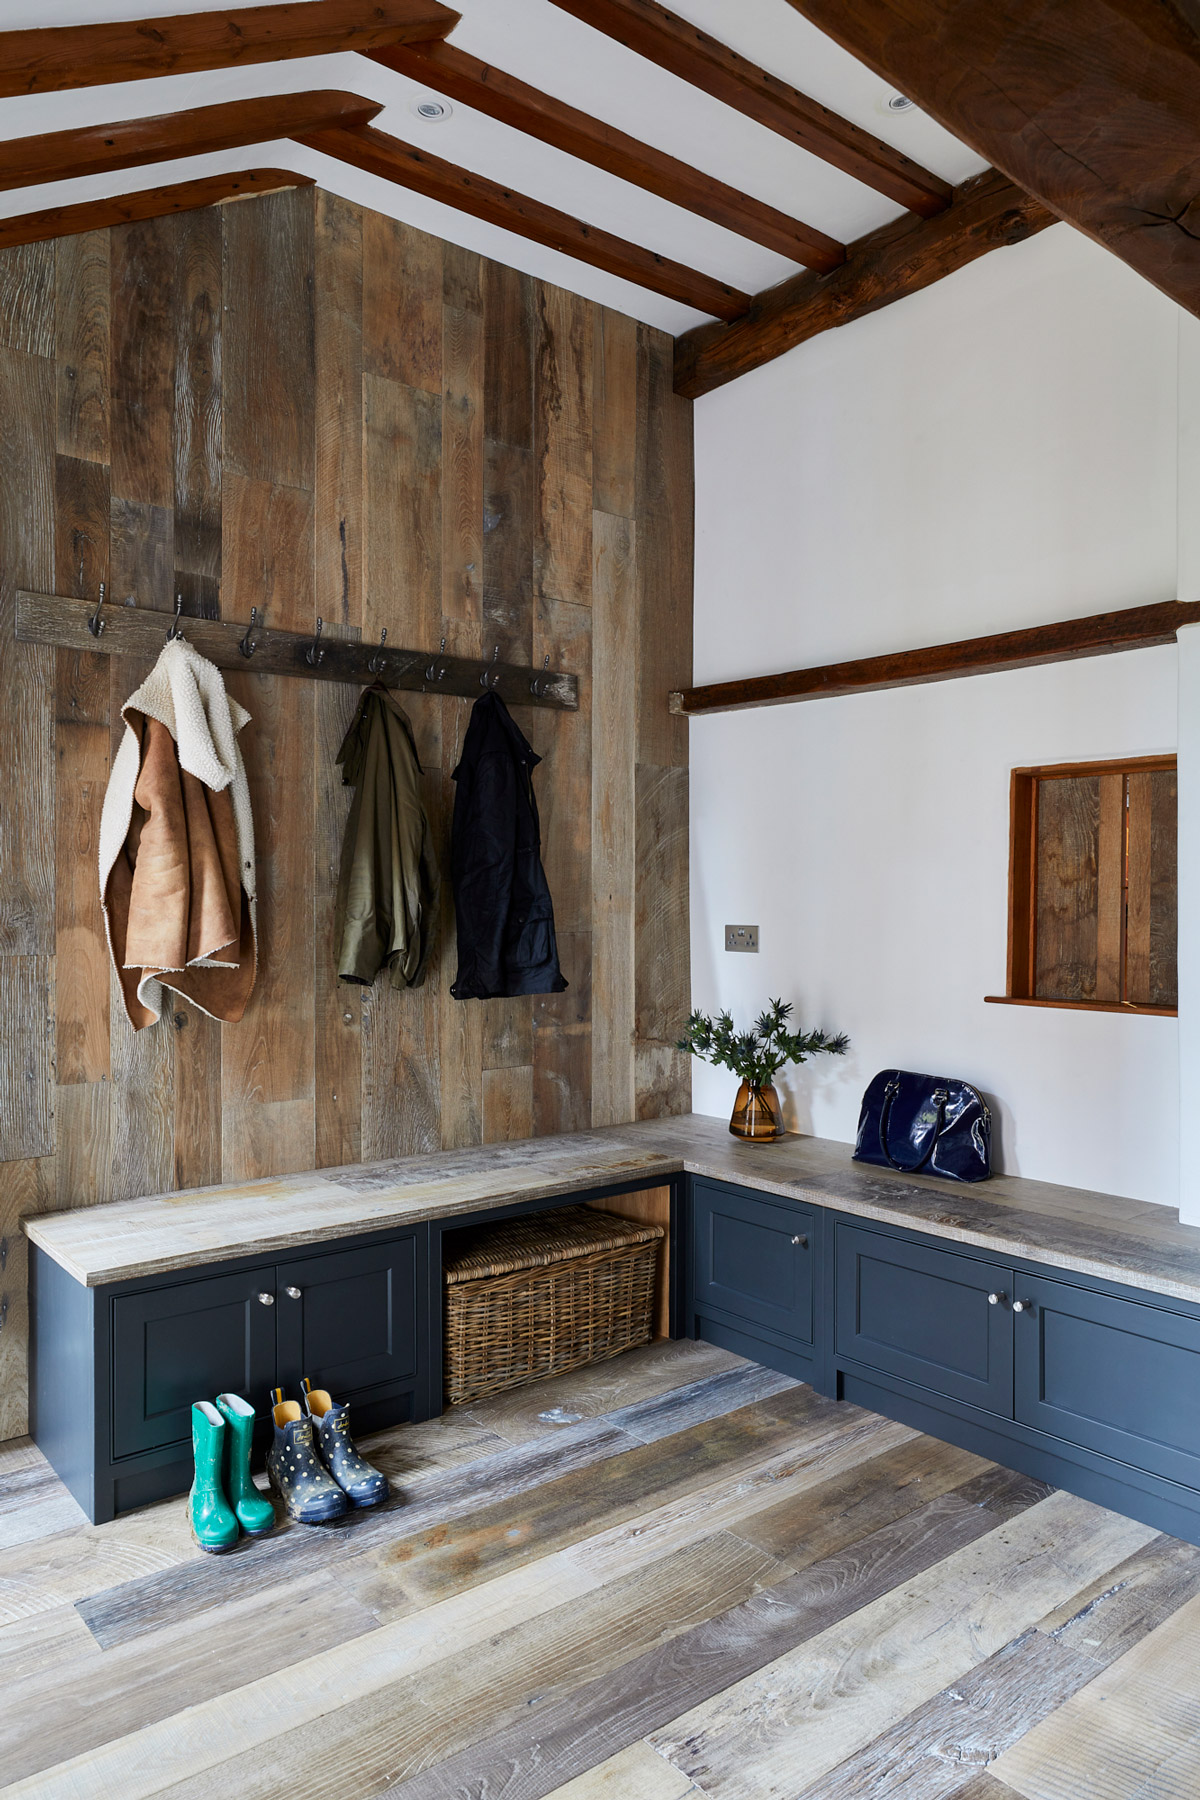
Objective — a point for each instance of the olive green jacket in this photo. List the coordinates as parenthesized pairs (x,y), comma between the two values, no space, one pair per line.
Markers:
(387,899)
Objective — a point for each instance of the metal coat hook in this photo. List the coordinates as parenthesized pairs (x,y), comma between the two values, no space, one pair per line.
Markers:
(95,623)
(377,661)
(249,645)
(174,631)
(429,673)
(488,679)
(315,652)
(539,684)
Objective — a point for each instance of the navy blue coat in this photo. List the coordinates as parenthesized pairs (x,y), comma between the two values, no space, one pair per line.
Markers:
(506,942)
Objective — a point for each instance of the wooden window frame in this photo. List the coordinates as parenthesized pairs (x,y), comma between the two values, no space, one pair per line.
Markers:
(1022,885)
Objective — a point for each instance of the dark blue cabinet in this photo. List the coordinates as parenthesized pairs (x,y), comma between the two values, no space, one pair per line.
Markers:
(1080,1383)
(349,1321)
(193,1340)
(1118,1376)
(754,1275)
(1087,1384)
(115,1370)
(933,1317)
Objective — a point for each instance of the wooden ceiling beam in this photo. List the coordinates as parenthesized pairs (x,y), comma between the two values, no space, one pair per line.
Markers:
(150,203)
(1089,104)
(394,160)
(96,149)
(899,259)
(1101,634)
(77,56)
(489,90)
(684,50)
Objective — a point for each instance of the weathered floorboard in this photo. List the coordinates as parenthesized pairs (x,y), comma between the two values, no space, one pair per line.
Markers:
(830,1697)
(617,1709)
(847,1585)
(398,1728)
(1134,1730)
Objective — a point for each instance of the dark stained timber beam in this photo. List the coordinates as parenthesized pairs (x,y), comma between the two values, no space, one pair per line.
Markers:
(1103,634)
(394,160)
(78,56)
(95,149)
(1091,105)
(899,259)
(684,50)
(151,203)
(463,77)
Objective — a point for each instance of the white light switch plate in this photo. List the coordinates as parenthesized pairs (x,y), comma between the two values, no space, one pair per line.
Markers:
(741,937)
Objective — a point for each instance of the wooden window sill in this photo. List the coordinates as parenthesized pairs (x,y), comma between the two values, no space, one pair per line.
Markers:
(1106,1006)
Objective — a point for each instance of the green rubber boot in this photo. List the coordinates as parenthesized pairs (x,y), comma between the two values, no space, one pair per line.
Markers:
(255,1514)
(214,1527)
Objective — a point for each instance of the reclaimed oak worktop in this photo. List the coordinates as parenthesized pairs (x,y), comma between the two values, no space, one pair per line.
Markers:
(1102,1235)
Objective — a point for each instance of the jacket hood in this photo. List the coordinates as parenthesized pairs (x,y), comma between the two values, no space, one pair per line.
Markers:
(186,693)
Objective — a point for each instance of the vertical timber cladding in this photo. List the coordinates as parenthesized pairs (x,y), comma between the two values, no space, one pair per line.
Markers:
(295,403)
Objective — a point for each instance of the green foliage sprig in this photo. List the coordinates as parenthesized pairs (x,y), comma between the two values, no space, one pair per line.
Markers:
(756,1055)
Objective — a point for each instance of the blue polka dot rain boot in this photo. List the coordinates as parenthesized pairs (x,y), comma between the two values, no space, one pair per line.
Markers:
(362,1485)
(211,1520)
(295,1471)
(255,1514)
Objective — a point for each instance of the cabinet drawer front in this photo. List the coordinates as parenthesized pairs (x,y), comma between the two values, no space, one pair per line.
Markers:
(747,1263)
(192,1341)
(924,1315)
(353,1322)
(1112,1375)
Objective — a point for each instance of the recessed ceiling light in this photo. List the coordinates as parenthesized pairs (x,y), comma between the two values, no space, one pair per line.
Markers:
(432,110)
(901,103)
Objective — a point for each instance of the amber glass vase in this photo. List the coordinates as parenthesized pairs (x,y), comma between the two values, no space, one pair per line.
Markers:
(757,1113)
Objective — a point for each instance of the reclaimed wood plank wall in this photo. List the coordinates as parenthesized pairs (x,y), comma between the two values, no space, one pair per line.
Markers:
(295,403)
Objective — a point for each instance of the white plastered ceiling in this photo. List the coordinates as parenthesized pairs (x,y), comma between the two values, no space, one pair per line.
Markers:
(547,48)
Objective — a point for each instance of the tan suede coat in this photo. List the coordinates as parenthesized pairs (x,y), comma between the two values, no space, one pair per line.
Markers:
(177,871)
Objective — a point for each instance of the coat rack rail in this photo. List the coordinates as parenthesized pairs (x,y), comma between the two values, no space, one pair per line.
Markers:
(118,630)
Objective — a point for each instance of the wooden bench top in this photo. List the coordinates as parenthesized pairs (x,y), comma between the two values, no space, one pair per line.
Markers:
(1103,1235)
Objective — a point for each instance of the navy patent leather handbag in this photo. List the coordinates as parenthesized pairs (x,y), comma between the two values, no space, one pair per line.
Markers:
(925,1125)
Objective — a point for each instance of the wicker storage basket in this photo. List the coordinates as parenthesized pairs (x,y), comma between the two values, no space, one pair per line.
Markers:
(534,1296)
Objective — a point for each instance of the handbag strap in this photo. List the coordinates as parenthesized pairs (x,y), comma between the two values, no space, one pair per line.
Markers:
(889,1094)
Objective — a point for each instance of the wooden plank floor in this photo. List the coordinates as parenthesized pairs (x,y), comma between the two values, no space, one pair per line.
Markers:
(673,1574)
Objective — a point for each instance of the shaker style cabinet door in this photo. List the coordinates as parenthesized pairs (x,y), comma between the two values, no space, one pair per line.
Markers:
(349,1321)
(191,1341)
(927,1316)
(1117,1376)
(753,1259)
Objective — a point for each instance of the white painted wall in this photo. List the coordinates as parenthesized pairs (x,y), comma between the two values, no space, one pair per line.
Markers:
(998,451)
(1189,768)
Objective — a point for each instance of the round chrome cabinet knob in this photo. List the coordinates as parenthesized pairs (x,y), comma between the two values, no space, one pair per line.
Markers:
(997,1299)
(266,1299)
(801,1240)
(292,1293)
(1022,1305)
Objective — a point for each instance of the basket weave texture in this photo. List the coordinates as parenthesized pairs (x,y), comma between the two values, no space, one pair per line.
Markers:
(535,1296)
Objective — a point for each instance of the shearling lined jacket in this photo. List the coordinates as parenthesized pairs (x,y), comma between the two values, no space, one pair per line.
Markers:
(177,877)
(388,890)
(506,941)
